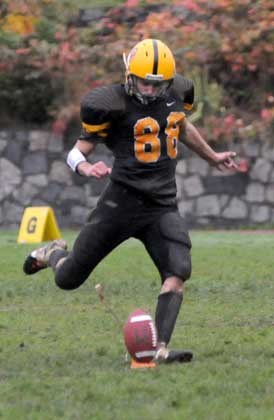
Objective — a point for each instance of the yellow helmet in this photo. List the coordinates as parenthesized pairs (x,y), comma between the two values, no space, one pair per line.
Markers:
(152,61)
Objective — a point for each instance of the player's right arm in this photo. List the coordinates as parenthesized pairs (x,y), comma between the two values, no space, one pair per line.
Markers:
(96,115)
(77,160)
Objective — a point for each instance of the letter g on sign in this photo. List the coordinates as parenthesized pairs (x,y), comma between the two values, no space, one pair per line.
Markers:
(31,226)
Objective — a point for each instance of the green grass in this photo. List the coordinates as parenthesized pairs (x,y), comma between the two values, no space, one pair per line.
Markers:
(62,355)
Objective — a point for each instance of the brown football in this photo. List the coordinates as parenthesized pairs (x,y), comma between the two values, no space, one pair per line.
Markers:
(140,336)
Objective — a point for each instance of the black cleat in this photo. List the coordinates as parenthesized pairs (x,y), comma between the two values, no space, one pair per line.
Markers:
(163,355)
(31,265)
(39,258)
(179,356)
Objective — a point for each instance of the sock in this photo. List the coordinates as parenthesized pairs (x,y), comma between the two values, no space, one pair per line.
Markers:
(56,256)
(167,311)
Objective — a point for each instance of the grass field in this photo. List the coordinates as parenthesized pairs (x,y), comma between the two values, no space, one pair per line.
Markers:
(62,355)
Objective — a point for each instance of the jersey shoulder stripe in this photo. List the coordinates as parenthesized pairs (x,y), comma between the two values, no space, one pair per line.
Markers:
(95,128)
(98,108)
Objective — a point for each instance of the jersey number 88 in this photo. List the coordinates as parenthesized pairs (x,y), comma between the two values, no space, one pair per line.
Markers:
(147,144)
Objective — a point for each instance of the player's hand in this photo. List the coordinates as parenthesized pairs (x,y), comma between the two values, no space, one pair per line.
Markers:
(98,169)
(225,160)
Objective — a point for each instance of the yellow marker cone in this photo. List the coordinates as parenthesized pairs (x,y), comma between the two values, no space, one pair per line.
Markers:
(38,224)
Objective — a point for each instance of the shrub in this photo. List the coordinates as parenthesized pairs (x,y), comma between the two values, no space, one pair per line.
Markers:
(50,58)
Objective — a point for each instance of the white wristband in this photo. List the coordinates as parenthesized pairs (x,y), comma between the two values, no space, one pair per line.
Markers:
(74,158)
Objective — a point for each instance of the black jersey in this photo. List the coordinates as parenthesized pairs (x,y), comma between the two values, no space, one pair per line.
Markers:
(143,138)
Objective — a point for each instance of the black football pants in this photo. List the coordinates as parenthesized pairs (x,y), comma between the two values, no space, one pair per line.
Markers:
(119,215)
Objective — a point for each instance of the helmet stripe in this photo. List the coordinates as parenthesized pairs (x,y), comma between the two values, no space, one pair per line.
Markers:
(156,57)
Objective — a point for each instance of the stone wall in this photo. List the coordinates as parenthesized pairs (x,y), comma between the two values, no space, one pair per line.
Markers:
(208,197)
(33,172)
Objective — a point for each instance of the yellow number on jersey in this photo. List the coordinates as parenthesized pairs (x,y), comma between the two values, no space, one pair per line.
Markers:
(146,133)
(147,144)
(172,131)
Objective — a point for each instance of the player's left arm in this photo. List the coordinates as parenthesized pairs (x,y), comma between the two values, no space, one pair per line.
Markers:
(191,137)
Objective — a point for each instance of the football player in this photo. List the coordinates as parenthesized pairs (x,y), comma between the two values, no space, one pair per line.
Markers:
(141,122)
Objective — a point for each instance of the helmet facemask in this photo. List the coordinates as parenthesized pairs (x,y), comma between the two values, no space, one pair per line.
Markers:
(160,89)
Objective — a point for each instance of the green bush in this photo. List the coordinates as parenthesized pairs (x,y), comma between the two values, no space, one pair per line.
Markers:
(49,62)
(27,94)
(46,30)
(9,40)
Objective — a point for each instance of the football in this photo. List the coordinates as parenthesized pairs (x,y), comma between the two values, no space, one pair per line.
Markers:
(140,336)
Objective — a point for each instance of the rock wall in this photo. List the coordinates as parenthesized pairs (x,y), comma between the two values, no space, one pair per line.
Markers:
(33,172)
(208,197)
